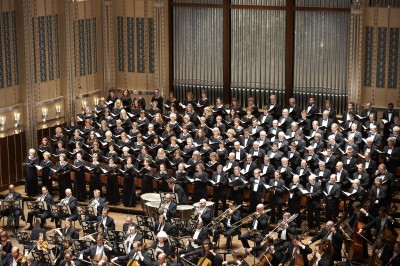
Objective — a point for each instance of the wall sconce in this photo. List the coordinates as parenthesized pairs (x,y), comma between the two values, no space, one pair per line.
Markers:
(45,113)
(96,101)
(58,111)
(17,119)
(84,105)
(2,123)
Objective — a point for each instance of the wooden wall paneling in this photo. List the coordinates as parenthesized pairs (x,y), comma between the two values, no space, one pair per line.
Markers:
(12,156)
(20,149)
(5,167)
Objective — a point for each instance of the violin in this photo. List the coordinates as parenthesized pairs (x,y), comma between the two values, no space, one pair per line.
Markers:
(21,259)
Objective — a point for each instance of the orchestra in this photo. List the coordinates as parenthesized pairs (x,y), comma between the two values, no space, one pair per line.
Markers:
(267,176)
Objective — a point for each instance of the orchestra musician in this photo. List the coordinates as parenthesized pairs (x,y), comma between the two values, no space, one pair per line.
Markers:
(133,236)
(128,223)
(162,260)
(395,259)
(258,226)
(68,230)
(15,258)
(322,257)
(167,208)
(294,248)
(161,245)
(68,260)
(98,203)
(268,248)
(71,202)
(162,225)
(334,235)
(137,254)
(233,216)
(5,245)
(42,214)
(203,213)
(206,252)
(12,213)
(106,220)
(197,238)
(99,252)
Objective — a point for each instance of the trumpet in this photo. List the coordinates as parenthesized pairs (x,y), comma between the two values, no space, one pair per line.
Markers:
(162,208)
(225,215)
(63,202)
(247,219)
(195,213)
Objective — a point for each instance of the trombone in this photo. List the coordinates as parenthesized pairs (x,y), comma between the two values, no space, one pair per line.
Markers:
(247,219)
(280,225)
(225,215)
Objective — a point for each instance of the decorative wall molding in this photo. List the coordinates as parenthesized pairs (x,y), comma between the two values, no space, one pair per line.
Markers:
(50,101)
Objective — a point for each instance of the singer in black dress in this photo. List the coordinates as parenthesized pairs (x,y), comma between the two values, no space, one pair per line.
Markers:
(46,164)
(95,173)
(129,192)
(112,182)
(64,179)
(200,184)
(31,180)
(79,180)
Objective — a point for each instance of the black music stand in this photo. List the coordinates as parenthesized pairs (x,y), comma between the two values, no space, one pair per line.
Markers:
(23,238)
(36,205)
(152,254)
(60,211)
(81,244)
(56,239)
(88,227)
(148,235)
(118,248)
(84,211)
(11,205)
(116,236)
(41,258)
(145,222)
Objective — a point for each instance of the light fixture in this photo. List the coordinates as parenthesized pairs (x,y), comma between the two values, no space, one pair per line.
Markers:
(96,101)
(84,105)
(45,113)
(58,110)
(2,123)
(17,119)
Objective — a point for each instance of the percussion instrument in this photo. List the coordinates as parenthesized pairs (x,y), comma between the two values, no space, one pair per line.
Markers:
(151,208)
(149,197)
(184,212)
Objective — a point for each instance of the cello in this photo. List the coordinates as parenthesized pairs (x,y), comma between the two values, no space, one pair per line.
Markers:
(356,244)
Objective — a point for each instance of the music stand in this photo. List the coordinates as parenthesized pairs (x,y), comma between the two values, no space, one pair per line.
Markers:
(116,236)
(85,210)
(118,247)
(56,240)
(88,227)
(145,222)
(42,258)
(152,254)
(60,211)
(174,197)
(81,244)
(36,205)
(23,238)
(149,235)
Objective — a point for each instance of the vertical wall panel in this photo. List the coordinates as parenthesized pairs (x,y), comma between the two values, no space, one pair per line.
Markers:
(15,47)
(120,40)
(369,41)
(95,45)
(82,50)
(131,44)
(140,45)
(56,45)
(49,25)
(89,46)
(42,49)
(393,66)
(381,58)
(151,44)
(1,58)
(7,48)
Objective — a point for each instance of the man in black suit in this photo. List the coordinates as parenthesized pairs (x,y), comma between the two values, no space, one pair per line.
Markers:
(220,188)
(257,189)
(269,247)
(42,214)
(303,172)
(240,154)
(71,202)
(362,176)
(106,220)
(371,149)
(296,245)
(182,199)
(353,132)
(275,155)
(267,169)
(391,155)
(380,222)
(294,156)
(342,176)
(294,204)
(322,173)
(246,140)
(248,166)
(14,211)
(332,193)
(162,225)
(386,176)
(369,110)
(375,136)
(369,165)
(68,230)
(311,158)
(350,162)
(258,224)
(312,109)
(136,254)
(380,193)
(237,185)
(98,203)
(168,208)
(325,122)
(276,191)
(11,258)
(336,237)
(265,119)
(323,258)
(331,111)
(227,230)
(350,109)
(132,237)
(203,213)
(356,193)
(285,120)
(285,170)
(389,116)
(294,110)
(313,202)
(274,108)
(257,153)
(255,129)
(100,250)
(199,235)
(300,142)
(128,223)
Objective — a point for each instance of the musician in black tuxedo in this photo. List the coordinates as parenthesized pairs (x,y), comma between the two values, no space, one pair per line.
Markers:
(300,142)
(42,214)
(274,108)
(162,225)
(325,122)
(332,193)
(313,202)
(294,110)
(356,194)
(257,189)
(379,193)
(322,173)
(199,234)
(285,120)
(350,162)
(220,188)
(128,223)
(369,165)
(72,203)
(293,245)
(312,109)
(96,202)
(268,246)
(276,195)
(275,155)
(353,132)
(362,176)
(12,213)
(342,176)
(237,185)
(175,188)
(323,258)
(133,236)
(285,170)
(69,231)
(246,140)
(294,203)
(203,213)
(258,224)
(335,235)
(267,169)
(303,172)
(240,154)
(389,114)
(382,221)
(11,258)
(106,220)
(168,208)
(331,111)
(369,110)
(350,109)
(265,118)
(98,251)
(311,157)
(391,155)
(233,216)
(257,153)
(375,136)
(255,129)
(136,254)
(248,165)
(387,177)
(294,156)
(339,139)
